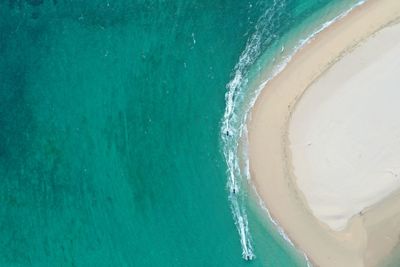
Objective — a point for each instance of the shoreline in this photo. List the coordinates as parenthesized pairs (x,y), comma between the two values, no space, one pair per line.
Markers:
(362,242)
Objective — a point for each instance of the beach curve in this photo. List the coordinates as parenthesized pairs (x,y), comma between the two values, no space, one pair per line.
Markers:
(270,155)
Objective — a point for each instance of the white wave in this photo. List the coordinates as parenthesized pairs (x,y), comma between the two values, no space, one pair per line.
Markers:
(234,126)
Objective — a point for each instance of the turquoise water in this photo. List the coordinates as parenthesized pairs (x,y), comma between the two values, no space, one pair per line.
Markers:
(110,117)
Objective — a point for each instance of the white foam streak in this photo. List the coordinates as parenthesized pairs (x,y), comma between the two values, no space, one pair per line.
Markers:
(234,128)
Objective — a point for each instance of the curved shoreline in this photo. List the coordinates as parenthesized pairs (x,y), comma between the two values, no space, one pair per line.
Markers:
(269,153)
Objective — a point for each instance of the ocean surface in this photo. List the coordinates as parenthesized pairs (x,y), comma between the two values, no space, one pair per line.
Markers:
(114,126)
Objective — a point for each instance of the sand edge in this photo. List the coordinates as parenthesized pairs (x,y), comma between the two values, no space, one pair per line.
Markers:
(365,241)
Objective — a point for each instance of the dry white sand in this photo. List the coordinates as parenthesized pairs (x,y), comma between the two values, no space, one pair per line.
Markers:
(347,125)
(345,132)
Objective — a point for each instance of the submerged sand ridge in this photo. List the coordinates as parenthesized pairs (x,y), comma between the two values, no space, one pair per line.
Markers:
(306,205)
(345,132)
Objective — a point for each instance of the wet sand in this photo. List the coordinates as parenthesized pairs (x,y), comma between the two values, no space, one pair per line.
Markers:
(331,234)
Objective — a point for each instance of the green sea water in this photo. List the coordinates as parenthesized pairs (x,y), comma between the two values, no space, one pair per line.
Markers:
(110,117)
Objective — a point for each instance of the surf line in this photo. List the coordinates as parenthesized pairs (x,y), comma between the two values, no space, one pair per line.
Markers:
(233,123)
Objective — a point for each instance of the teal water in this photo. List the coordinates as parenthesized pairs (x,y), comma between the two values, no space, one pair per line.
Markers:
(110,117)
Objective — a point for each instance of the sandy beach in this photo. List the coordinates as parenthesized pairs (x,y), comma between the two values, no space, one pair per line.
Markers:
(324,139)
(345,131)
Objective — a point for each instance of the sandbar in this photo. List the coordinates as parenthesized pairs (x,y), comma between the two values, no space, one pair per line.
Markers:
(286,136)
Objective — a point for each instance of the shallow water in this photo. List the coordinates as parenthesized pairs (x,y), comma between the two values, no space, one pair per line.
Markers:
(110,116)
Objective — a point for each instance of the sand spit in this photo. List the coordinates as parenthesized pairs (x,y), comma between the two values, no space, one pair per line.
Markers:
(313,219)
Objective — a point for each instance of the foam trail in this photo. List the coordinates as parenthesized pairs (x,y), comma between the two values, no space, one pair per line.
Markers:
(231,130)
(234,130)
